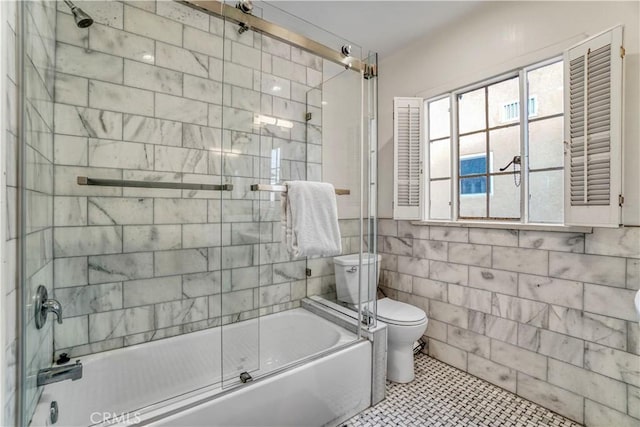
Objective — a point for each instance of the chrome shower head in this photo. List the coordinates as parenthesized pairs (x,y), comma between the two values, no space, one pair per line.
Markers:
(83,20)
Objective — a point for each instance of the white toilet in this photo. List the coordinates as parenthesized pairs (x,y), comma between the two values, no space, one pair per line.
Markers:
(406,323)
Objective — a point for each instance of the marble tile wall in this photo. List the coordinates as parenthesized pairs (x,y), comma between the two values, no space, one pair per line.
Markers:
(546,315)
(157,91)
(37,80)
(8,127)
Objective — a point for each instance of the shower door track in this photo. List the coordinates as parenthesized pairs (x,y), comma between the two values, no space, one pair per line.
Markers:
(260,25)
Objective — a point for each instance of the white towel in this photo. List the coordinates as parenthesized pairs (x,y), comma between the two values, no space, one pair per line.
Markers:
(309,218)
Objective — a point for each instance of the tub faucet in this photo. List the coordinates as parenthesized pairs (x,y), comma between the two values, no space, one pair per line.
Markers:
(60,373)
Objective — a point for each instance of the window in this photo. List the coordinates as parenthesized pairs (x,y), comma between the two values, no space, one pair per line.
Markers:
(539,145)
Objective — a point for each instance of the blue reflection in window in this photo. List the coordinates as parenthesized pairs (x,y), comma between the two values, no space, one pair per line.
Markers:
(473,166)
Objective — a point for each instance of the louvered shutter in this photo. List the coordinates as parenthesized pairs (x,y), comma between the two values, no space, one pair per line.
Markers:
(407,146)
(593,130)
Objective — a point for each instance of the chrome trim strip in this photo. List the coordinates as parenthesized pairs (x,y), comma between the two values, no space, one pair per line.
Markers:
(262,26)
(84,180)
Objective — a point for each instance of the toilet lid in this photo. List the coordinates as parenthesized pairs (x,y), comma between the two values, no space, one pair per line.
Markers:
(399,313)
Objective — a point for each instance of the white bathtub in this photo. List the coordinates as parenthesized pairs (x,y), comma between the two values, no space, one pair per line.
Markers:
(177,381)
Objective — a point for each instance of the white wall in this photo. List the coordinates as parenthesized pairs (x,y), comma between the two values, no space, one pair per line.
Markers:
(499,37)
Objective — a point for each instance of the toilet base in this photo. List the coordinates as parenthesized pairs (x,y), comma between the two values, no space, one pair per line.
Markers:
(400,363)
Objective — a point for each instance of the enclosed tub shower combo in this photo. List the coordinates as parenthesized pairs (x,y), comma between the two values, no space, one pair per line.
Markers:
(157,139)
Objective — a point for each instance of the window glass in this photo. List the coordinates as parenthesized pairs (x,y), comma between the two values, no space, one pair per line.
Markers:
(439,119)
(471,111)
(545,85)
(440,206)
(546,200)
(504,105)
(440,159)
(546,149)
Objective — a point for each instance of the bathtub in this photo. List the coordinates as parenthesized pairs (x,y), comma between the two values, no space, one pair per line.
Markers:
(188,381)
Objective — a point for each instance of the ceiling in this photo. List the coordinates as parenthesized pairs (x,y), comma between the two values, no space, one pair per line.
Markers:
(380,26)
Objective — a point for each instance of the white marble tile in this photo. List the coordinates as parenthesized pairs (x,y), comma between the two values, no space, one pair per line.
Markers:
(610,302)
(504,282)
(588,326)
(520,359)
(151,25)
(558,400)
(492,372)
(491,236)
(237,256)
(413,266)
(68,32)
(117,154)
(454,356)
(216,68)
(289,272)
(69,211)
(601,270)
(152,291)
(180,262)
(406,229)
(276,47)
(203,42)
(111,268)
(180,109)
(139,238)
(501,329)
(521,310)
(242,98)
(183,13)
(120,43)
(429,289)
(71,89)
(181,312)
(201,284)
(600,415)
(70,272)
(633,274)
(182,60)
(247,56)
(75,241)
(78,301)
(80,121)
(276,86)
(395,280)
(104,12)
(202,89)
(289,70)
(70,150)
(152,131)
(73,332)
(91,64)
(236,302)
(238,75)
(147,76)
(119,211)
(633,404)
(557,346)
(468,341)
(201,235)
(449,234)
(454,315)
(588,384)
(314,78)
(530,261)
(553,241)
(566,293)
(305,58)
(179,211)
(471,254)
(202,137)
(180,160)
(622,242)
(448,272)
(430,249)
(397,246)
(474,299)
(113,324)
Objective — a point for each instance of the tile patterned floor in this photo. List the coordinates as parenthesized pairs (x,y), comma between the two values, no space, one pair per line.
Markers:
(443,396)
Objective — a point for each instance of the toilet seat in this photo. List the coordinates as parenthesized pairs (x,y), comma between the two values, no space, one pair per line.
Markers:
(399,313)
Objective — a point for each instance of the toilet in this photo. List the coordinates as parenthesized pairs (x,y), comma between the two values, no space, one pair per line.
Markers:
(405,322)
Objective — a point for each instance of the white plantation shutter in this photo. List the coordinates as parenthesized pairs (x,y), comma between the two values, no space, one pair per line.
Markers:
(407,146)
(593,130)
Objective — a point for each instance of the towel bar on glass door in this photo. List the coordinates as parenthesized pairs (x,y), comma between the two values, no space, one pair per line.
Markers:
(83,180)
(283,189)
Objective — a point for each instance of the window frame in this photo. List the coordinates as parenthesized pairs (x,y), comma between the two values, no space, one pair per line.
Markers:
(524,119)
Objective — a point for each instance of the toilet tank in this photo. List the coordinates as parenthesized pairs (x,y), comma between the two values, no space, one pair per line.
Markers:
(347,274)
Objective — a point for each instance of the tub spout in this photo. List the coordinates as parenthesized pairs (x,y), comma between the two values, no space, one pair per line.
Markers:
(60,373)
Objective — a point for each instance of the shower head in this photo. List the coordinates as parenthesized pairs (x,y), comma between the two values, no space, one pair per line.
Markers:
(83,20)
